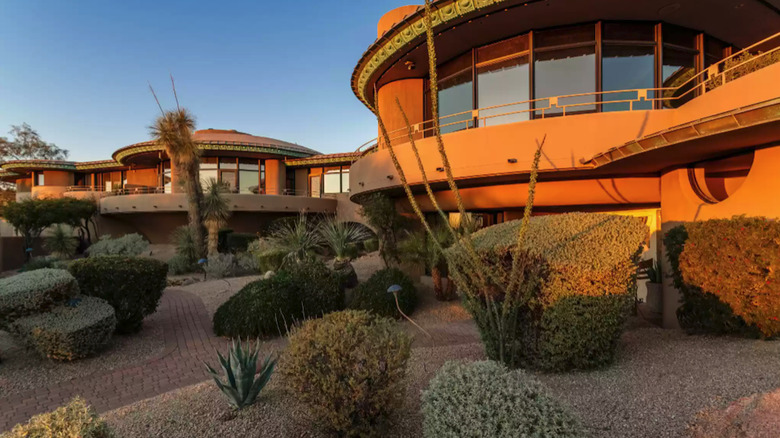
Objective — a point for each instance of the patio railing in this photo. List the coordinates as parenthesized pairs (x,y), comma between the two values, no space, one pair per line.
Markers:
(742,63)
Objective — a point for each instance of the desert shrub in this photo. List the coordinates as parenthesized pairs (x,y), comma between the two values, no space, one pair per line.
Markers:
(73,420)
(132,285)
(348,368)
(246,263)
(186,246)
(127,245)
(34,292)
(726,271)
(178,265)
(39,263)
(268,307)
(239,241)
(371,245)
(267,256)
(78,329)
(487,399)
(572,267)
(219,266)
(372,295)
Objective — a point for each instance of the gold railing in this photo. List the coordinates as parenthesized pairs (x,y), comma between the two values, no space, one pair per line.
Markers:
(744,62)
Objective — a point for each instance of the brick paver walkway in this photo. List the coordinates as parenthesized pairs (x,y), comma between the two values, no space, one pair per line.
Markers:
(188,341)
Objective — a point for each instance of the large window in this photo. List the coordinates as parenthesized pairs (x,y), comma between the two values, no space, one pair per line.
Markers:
(209,170)
(503,78)
(248,176)
(455,94)
(627,63)
(584,59)
(565,63)
(328,180)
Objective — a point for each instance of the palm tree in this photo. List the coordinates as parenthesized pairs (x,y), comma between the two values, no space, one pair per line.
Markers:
(173,131)
(216,212)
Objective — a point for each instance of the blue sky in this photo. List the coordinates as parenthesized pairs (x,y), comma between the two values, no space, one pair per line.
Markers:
(78,71)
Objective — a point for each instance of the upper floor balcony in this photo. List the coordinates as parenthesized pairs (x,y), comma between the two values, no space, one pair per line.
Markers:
(736,98)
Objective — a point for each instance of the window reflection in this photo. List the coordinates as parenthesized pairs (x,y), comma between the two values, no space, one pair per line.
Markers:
(678,67)
(561,72)
(455,94)
(626,68)
(503,78)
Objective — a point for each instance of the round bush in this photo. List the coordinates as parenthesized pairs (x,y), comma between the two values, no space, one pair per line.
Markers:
(269,307)
(348,368)
(34,292)
(486,399)
(372,295)
(75,419)
(132,285)
(578,274)
(78,329)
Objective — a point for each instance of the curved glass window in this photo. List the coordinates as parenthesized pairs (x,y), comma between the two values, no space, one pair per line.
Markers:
(589,59)
(455,94)
(626,68)
(503,77)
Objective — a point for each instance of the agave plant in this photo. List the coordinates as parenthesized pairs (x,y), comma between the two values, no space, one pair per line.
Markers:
(244,381)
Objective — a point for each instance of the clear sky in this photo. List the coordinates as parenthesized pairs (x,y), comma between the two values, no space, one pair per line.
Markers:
(77,71)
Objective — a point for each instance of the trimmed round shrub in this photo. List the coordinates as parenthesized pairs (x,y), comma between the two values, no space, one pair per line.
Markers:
(34,292)
(486,399)
(729,270)
(75,419)
(73,331)
(578,280)
(372,295)
(269,307)
(132,285)
(348,368)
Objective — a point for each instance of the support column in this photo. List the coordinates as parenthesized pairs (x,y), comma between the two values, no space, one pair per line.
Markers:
(275,177)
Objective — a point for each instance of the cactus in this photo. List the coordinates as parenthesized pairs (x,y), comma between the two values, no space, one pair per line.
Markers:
(244,381)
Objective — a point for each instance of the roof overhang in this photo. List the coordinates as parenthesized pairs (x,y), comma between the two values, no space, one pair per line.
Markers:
(463,24)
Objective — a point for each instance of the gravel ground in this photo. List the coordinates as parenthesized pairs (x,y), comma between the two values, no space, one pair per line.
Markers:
(22,369)
(662,378)
(202,411)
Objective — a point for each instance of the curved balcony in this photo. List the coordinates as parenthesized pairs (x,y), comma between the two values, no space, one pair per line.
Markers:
(723,109)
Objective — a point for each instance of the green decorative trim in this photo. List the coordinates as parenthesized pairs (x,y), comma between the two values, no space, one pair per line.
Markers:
(98,165)
(32,164)
(141,148)
(315,161)
(400,36)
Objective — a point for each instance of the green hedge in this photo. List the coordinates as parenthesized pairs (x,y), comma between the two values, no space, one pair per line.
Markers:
(132,285)
(372,295)
(485,399)
(75,419)
(269,307)
(575,267)
(727,273)
(73,331)
(34,292)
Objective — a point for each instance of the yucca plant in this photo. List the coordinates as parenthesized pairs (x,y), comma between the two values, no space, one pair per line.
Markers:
(243,380)
(61,242)
(216,212)
(297,238)
(341,236)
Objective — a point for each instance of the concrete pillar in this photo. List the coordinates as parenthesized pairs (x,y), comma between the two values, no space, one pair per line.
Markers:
(275,177)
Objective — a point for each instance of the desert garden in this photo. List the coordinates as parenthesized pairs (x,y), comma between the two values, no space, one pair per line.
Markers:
(403,325)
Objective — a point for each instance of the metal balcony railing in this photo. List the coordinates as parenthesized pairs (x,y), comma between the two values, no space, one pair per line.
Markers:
(141,190)
(742,63)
